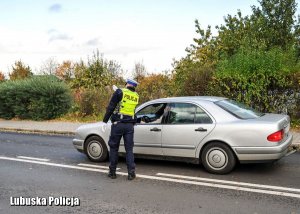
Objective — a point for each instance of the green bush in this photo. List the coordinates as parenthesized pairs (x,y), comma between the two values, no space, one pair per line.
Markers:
(261,79)
(37,98)
(6,90)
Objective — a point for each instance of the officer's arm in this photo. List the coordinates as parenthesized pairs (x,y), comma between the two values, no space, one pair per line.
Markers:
(115,99)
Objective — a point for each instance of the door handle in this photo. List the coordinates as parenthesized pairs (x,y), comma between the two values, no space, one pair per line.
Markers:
(200,129)
(155,130)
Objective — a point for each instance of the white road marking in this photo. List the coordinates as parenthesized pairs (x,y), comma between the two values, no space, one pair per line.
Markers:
(94,166)
(53,164)
(260,186)
(32,158)
(222,186)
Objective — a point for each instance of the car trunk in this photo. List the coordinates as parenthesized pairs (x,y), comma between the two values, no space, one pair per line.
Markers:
(282,122)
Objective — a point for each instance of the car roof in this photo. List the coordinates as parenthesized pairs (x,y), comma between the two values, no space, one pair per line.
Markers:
(189,98)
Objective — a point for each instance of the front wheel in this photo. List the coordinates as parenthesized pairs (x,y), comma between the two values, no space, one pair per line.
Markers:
(96,149)
(218,158)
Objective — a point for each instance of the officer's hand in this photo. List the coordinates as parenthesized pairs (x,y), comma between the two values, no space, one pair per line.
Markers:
(114,87)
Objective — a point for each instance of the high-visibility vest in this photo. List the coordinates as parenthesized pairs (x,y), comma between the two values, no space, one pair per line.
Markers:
(129,101)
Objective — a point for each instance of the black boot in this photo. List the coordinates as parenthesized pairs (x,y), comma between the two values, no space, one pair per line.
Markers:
(112,174)
(131,176)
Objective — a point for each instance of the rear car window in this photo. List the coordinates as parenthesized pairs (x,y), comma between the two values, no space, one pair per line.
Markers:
(238,109)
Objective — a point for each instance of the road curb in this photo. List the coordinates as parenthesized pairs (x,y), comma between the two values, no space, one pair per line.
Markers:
(36,131)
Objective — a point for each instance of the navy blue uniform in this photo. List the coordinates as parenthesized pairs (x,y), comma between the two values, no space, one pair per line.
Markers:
(120,128)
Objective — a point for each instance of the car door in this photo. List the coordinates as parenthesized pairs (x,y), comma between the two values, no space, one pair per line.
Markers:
(147,135)
(185,126)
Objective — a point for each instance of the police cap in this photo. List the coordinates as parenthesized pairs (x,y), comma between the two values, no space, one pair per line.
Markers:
(132,82)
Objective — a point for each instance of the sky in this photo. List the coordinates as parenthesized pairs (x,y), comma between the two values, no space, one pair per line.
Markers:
(152,32)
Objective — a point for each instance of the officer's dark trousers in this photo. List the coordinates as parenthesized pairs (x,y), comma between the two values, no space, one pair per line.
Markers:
(118,131)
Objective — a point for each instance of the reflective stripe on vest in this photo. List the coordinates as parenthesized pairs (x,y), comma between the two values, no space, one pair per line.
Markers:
(129,101)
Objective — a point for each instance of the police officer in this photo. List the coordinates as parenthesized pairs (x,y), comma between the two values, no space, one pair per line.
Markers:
(121,110)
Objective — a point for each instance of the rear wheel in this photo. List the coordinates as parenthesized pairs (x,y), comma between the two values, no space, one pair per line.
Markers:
(218,158)
(96,149)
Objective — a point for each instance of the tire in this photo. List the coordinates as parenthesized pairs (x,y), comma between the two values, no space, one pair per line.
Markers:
(218,158)
(96,149)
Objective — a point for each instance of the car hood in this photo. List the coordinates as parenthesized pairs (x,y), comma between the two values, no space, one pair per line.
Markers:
(100,128)
(92,125)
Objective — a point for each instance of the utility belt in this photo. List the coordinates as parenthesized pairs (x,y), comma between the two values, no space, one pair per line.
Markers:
(122,118)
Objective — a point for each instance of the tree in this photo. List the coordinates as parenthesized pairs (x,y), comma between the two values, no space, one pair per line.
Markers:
(49,67)
(272,24)
(154,86)
(20,71)
(191,77)
(278,24)
(96,73)
(65,71)
(251,58)
(2,77)
(139,71)
(205,51)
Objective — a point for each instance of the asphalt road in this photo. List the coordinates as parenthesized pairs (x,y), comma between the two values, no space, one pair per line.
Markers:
(161,186)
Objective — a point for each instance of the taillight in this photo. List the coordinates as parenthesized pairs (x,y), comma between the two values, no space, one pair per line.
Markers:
(277,136)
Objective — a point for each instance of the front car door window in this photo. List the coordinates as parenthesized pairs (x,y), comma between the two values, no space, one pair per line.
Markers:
(152,114)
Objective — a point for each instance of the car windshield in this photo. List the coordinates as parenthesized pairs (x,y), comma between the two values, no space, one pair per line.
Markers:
(238,109)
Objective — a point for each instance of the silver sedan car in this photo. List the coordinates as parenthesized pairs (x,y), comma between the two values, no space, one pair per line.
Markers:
(214,131)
